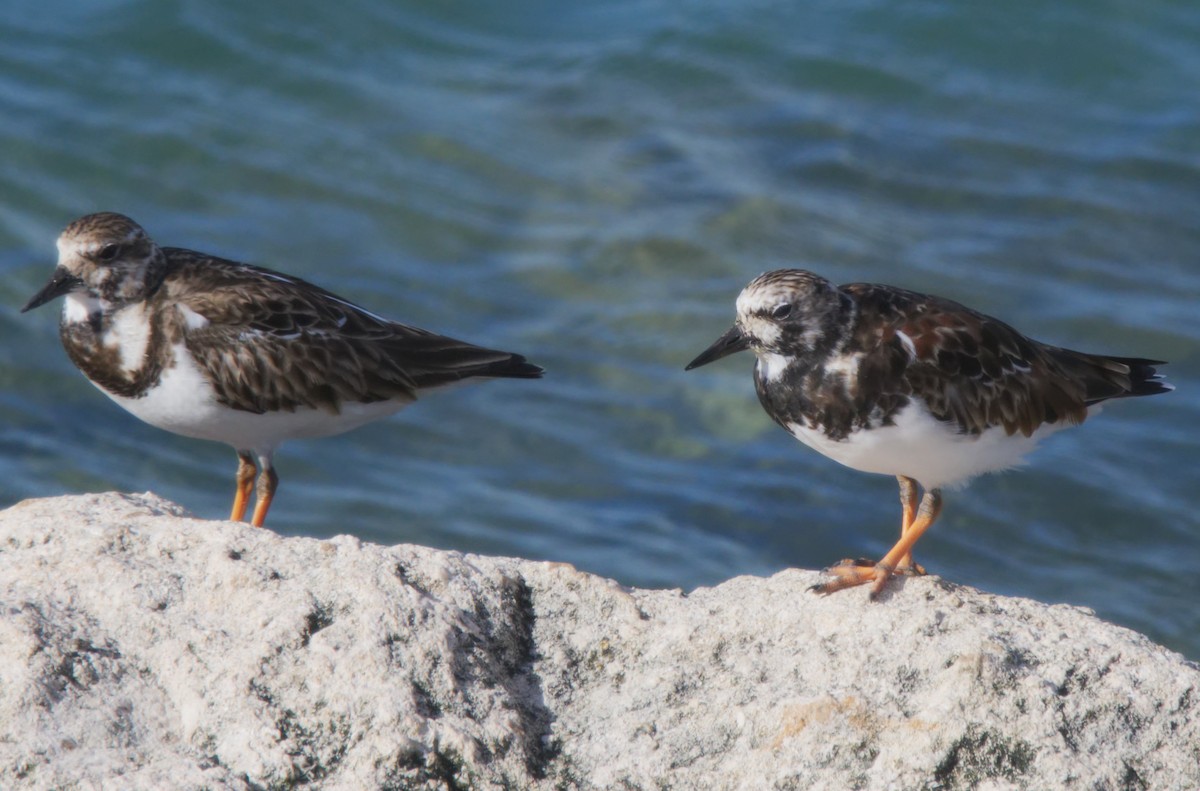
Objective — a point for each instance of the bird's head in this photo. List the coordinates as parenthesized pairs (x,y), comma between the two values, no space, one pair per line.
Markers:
(105,258)
(788,312)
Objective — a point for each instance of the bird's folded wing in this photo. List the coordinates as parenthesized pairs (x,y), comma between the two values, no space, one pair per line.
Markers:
(273,342)
(971,370)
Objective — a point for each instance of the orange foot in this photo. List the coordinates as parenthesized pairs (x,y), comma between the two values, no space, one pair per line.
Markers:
(851,573)
(905,569)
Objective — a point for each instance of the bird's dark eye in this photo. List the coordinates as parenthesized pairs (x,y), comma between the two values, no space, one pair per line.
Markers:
(109,252)
(782,311)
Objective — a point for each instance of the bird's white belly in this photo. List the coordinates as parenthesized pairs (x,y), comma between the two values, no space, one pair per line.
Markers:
(922,447)
(184,403)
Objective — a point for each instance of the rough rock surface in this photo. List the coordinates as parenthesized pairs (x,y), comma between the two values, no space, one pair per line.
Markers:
(143,649)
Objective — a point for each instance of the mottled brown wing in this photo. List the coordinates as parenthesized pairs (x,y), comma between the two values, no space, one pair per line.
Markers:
(976,371)
(274,342)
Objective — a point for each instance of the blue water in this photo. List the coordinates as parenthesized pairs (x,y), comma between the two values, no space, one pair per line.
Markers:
(591,185)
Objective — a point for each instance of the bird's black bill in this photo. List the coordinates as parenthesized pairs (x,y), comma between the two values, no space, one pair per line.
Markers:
(730,343)
(61,282)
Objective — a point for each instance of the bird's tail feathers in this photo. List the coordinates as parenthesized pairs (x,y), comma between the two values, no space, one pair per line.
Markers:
(1119,377)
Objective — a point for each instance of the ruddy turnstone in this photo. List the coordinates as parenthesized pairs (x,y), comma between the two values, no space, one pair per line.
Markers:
(894,382)
(220,350)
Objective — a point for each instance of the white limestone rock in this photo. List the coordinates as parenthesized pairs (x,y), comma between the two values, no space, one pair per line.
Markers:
(140,648)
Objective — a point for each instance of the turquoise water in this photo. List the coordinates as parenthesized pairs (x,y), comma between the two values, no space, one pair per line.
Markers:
(591,185)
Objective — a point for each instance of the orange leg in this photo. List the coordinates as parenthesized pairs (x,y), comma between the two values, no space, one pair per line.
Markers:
(908,505)
(245,484)
(850,575)
(268,482)
(908,509)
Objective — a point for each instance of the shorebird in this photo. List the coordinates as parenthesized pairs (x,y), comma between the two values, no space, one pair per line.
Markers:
(894,382)
(219,350)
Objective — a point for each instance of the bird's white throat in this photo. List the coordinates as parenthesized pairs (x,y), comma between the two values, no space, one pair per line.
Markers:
(771,366)
(78,308)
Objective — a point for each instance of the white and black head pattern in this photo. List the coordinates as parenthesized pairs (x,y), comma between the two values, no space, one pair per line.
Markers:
(105,261)
(792,312)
